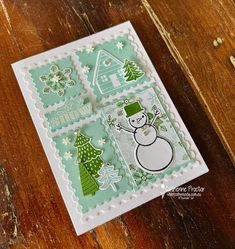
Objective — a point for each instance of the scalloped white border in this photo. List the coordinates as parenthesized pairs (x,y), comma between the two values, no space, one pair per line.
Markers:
(129,200)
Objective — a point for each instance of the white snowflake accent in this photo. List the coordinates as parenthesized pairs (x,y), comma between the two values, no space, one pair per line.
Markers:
(101,142)
(66,141)
(90,49)
(86,69)
(119,45)
(68,155)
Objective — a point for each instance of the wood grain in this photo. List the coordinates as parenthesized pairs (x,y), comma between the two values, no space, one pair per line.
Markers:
(190,37)
(29,27)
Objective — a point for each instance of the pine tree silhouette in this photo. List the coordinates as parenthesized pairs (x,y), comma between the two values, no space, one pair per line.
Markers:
(132,71)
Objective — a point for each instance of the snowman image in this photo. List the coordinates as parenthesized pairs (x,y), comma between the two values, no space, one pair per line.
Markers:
(153,153)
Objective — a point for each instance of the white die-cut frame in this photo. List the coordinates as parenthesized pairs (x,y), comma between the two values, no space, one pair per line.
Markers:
(131,199)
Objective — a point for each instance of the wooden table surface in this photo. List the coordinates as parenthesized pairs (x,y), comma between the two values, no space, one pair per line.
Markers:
(178,36)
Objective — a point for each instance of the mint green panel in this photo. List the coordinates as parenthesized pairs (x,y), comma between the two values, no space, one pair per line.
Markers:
(118,112)
(71,84)
(71,111)
(106,75)
(96,131)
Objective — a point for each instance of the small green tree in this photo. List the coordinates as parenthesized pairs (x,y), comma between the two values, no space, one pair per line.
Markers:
(131,71)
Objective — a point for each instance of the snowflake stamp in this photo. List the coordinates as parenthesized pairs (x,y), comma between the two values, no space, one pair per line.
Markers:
(68,155)
(119,45)
(90,49)
(101,142)
(66,141)
(56,82)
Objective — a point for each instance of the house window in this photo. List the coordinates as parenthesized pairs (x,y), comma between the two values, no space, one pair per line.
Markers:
(106,63)
(104,78)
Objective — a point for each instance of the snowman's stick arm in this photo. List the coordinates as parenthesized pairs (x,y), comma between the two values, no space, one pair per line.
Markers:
(152,121)
(120,127)
(156,114)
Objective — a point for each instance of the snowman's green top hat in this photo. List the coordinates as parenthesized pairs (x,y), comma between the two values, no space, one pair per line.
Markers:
(132,109)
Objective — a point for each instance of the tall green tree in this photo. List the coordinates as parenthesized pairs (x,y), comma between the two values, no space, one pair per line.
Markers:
(90,163)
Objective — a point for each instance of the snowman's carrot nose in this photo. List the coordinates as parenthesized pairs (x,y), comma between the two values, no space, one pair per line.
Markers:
(138,119)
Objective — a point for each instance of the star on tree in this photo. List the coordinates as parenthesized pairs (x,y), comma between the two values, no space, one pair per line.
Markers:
(66,141)
(101,142)
(76,132)
(132,71)
(90,49)
(68,155)
(119,45)
(86,69)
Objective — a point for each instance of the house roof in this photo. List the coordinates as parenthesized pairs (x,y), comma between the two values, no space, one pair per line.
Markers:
(101,53)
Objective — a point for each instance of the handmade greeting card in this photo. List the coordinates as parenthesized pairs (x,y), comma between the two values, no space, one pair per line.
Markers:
(112,135)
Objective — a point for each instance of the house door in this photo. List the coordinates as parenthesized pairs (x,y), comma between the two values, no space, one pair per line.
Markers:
(115,81)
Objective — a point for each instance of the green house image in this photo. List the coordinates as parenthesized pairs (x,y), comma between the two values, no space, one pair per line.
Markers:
(108,73)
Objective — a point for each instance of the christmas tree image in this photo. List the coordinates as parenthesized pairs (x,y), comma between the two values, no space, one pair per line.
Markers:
(131,70)
(89,163)
(89,184)
(108,176)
